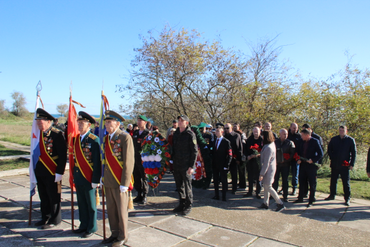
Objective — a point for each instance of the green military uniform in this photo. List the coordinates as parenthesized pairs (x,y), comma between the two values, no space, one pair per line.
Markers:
(86,194)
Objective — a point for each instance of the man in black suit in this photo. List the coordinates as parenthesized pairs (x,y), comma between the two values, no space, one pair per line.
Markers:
(237,148)
(310,152)
(221,159)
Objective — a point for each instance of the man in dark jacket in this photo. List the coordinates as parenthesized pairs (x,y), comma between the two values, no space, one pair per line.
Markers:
(253,162)
(140,183)
(184,155)
(342,153)
(294,136)
(237,147)
(242,172)
(285,150)
(310,152)
(221,159)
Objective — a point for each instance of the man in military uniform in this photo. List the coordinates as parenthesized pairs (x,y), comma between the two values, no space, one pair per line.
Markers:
(119,165)
(140,183)
(49,169)
(86,174)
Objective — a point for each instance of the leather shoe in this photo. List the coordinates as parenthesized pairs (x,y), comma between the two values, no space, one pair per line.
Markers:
(329,198)
(309,204)
(137,199)
(298,201)
(79,230)
(258,196)
(233,192)
(294,192)
(285,199)
(216,198)
(87,234)
(347,203)
(119,242)
(248,195)
(143,201)
(111,239)
(223,199)
(40,223)
(47,226)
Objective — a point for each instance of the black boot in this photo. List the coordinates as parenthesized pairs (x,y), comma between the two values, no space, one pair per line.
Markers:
(137,199)
(180,207)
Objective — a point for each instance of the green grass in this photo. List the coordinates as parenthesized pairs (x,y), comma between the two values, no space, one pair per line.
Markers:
(6,165)
(359,189)
(8,152)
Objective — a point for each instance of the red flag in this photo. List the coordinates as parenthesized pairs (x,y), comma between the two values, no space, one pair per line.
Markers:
(72,131)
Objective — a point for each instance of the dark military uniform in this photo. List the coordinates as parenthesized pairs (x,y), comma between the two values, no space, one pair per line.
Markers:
(48,190)
(140,183)
(86,195)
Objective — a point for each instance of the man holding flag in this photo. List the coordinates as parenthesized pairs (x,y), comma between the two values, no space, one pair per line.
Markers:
(86,174)
(49,169)
(119,164)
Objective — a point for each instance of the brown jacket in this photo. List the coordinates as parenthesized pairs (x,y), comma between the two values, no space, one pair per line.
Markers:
(124,148)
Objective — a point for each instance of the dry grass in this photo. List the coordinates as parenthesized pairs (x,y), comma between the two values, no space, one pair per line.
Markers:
(16,131)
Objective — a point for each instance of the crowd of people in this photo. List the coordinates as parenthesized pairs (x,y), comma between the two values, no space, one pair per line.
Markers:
(254,162)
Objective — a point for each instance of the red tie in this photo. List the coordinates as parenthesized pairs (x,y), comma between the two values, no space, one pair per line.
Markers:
(217,143)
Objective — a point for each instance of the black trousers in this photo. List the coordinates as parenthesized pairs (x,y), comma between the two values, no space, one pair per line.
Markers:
(307,172)
(50,199)
(140,183)
(284,171)
(184,187)
(344,174)
(234,174)
(253,175)
(242,176)
(220,175)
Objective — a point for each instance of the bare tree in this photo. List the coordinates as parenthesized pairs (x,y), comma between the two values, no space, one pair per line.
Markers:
(62,108)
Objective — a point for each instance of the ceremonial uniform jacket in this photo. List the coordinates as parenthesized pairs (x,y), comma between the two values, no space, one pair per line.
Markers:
(341,150)
(57,149)
(138,140)
(91,150)
(123,149)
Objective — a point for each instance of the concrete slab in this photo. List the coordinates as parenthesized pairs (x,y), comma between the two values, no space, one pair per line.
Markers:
(11,191)
(264,242)
(149,236)
(224,237)
(20,180)
(148,217)
(181,226)
(9,238)
(357,217)
(67,238)
(191,243)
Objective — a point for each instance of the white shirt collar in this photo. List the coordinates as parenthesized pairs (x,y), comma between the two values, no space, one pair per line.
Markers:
(83,136)
(111,135)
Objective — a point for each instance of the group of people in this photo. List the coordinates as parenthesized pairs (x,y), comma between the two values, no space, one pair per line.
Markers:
(259,159)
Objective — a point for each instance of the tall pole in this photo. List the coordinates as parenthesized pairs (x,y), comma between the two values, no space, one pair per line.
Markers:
(103,201)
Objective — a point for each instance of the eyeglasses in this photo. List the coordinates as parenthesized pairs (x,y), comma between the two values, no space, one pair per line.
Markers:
(226,128)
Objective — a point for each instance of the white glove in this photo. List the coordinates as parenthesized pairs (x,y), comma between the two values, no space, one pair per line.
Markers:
(58,177)
(123,189)
(94,185)
(101,180)
(171,161)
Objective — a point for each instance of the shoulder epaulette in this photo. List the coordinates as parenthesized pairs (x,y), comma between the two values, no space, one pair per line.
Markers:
(92,136)
(55,130)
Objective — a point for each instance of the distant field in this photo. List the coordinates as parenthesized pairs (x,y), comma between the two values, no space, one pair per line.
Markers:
(16,130)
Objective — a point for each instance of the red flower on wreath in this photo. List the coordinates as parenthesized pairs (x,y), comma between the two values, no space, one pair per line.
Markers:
(167,154)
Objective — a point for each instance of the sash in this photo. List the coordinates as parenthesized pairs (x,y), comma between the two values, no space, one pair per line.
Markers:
(45,158)
(81,162)
(114,165)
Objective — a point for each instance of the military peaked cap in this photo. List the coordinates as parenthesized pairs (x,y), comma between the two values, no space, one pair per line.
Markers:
(109,115)
(142,117)
(219,125)
(41,114)
(84,116)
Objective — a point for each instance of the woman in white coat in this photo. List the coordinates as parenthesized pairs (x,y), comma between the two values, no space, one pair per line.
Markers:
(268,169)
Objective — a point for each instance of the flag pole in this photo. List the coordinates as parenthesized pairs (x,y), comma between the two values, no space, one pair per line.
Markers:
(38,90)
(72,202)
(103,201)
